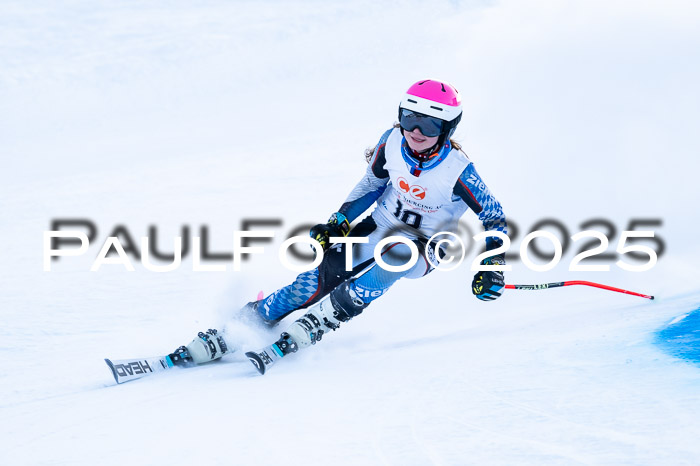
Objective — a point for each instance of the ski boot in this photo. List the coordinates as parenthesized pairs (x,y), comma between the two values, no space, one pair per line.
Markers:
(206,347)
(341,305)
(305,331)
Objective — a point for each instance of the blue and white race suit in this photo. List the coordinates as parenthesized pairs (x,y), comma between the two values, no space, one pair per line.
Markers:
(412,200)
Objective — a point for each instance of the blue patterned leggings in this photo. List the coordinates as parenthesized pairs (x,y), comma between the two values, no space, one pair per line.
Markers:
(311,286)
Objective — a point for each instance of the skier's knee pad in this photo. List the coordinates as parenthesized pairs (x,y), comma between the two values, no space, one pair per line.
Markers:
(207,347)
(331,272)
(346,302)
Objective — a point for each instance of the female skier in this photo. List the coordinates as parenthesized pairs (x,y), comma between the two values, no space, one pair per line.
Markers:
(422,183)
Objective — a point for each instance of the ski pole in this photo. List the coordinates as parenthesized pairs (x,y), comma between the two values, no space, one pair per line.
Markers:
(545,286)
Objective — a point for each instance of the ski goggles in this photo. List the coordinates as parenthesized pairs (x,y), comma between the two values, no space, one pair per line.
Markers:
(428,126)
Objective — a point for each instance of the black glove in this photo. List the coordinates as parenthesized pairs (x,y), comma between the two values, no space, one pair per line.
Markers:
(337,225)
(488,285)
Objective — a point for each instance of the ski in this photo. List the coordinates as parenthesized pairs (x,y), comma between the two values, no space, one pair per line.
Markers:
(125,370)
(264,359)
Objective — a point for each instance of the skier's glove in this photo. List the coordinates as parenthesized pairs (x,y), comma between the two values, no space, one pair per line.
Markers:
(337,225)
(488,285)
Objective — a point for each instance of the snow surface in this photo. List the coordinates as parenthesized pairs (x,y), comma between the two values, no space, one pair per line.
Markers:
(171,114)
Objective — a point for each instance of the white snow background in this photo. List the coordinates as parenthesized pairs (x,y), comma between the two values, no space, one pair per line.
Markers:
(181,113)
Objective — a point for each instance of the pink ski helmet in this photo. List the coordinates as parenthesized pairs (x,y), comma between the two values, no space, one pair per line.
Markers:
(437,99)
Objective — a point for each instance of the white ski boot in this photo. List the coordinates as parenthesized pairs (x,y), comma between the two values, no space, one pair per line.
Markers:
(206,347)
(319,319)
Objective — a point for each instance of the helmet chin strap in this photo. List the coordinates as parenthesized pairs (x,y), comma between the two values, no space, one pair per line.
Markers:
(425,155)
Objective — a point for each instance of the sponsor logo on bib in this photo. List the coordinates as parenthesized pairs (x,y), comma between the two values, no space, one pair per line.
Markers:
(415,191)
